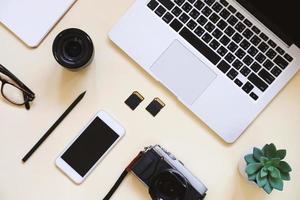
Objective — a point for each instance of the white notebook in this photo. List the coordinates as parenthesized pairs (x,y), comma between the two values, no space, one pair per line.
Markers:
(31,20)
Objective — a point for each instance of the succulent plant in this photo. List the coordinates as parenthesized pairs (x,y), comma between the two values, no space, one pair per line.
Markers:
(266,167)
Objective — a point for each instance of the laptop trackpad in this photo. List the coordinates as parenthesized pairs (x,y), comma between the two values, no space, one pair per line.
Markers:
(182,72)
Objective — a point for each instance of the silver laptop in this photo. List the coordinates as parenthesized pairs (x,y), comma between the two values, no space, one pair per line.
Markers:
(225,60)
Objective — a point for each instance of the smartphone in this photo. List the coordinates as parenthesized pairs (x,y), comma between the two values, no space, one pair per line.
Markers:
(92,144)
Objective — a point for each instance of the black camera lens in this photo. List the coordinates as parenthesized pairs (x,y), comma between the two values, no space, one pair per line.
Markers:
(73,48)
(169,185)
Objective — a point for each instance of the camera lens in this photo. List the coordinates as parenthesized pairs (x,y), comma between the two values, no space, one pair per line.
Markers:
(169,185)
(73,48)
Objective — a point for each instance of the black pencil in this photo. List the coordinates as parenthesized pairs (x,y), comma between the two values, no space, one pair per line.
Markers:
(51,129)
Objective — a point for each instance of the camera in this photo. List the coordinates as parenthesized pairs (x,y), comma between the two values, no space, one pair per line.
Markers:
(73,48)
(166,177)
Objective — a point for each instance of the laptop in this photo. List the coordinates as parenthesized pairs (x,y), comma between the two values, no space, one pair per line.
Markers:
(225,60)
(31,20)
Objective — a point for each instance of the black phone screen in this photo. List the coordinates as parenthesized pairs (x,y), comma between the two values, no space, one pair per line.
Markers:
(90,146)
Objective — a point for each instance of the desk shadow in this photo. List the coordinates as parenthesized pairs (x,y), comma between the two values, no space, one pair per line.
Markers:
(180,105)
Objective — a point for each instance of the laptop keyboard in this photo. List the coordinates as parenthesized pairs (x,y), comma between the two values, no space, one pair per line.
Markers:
(226,38)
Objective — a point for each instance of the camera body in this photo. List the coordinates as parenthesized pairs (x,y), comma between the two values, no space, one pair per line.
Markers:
(166,177)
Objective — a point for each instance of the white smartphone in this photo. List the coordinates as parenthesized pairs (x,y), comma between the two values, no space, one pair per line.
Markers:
(92,144)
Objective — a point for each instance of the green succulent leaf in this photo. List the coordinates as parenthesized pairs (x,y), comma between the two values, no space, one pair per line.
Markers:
(284,166)
(249,159)
(261,181)
(257,153)
(275,173)
(253,167)
(268,188)
(252,177)
(275,162)
(264,159)
(285,176)
(276,183)
(264,172)
(281,153)
(270,151)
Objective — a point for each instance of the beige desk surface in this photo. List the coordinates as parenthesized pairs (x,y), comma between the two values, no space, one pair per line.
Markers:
(109,80)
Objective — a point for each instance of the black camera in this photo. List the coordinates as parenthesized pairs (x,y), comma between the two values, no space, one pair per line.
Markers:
(166,177)
(73,48)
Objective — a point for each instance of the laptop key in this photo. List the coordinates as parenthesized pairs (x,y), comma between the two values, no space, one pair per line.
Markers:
(255,40)
(207,38)
(240,53)
(280,50)
(194,14)
(167,3)
(224,3)
(238,82)
(176,11)
(222,51)
(209,27)
(192,1)
(214,44)
(217,33)
(281,62)
(245,44)
(222,24)
(176,25)
(232,47)
(232,20)
(217,7)
(237,64)
(209,2)
(187,7)
(224,40)
(240,16)
(214,18)
(266,76)
(268,64)
(264,36)
(184,18)
(199,4)
(224,13)
(253,96)
(258,82)
(263,47)
(192,24)
(168,17)
(179,2)
(152,4)
(240,27)
(199,31)
(276,71)
(229,31)
(160,11)
(288,57)
(245,71)
(232,74)
(202,20)
(237,38)
(252,51)
(271,53)
(248,60)
(260,58)
(272,43)
(255,29)
(206,11)
(255,67)
(248,87)
(200,46)
(223,66)
(248,23)
(231,9)
(229,58)
(247,33)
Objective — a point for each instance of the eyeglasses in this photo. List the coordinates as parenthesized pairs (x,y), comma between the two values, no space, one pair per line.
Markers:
(14,90)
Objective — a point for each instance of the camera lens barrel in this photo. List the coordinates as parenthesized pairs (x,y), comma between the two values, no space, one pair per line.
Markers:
(73,49)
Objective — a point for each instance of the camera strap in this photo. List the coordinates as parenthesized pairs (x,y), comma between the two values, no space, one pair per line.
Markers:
(122,176)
